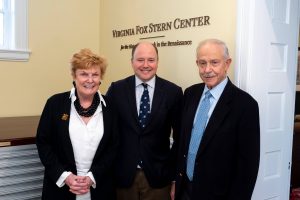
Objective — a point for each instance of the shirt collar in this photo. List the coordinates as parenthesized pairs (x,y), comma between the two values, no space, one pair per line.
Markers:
(73,96)
(218,89)
(150,83)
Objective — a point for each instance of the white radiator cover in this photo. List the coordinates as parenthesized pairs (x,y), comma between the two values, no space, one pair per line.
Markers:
(21,173)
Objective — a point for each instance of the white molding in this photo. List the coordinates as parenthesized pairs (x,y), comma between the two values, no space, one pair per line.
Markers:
(243,42)
(14,55)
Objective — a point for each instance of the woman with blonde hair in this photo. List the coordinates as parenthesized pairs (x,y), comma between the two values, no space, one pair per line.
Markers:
(76,136)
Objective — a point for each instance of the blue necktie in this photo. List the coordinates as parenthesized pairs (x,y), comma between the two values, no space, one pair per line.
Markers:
(197,133)
(144,107)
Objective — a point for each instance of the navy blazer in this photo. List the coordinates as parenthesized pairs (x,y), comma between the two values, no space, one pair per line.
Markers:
(56,152)
(150,145)
(227,160)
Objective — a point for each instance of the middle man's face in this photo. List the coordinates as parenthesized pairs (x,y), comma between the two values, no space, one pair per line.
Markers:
(145,61)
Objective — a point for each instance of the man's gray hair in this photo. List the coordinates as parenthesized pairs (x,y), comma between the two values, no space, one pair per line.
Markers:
(214,41)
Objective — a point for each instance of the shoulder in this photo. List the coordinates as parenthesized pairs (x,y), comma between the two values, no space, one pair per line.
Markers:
(59,99)
(194,88)
(56,102)
(240,95)
(120,86)
(127,80)
(165,83)
(59,96)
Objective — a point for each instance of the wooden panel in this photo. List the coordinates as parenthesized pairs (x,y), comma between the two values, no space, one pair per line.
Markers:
(295,173)
(18,127)
(16,141)
(297,102)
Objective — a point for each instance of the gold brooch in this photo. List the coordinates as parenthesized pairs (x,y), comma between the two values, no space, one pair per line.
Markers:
(65,117)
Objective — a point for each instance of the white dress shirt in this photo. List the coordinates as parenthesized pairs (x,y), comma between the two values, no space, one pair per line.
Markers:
(139,89)
(216,93)
(85,139)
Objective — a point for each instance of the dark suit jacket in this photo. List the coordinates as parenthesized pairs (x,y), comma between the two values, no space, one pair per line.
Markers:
(150,145)
(227,160)
(56,152)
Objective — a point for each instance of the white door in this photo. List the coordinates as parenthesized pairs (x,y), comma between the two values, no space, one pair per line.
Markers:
(267,40)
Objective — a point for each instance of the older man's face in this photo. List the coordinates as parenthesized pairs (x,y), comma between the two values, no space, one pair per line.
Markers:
(212,64)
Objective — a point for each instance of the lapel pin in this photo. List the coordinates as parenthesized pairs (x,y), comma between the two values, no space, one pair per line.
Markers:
(65,117)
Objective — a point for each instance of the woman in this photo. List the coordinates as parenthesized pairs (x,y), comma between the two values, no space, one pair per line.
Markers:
(76,136)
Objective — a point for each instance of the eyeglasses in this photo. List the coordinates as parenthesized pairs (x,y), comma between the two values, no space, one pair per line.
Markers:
(204,63)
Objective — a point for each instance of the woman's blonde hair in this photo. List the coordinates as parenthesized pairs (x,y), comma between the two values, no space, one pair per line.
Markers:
(85,59)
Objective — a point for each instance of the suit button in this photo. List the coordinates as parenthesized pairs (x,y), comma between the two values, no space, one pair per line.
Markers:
(180,174)
(184,156)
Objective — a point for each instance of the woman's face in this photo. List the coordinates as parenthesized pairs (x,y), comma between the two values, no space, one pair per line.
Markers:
(87,81)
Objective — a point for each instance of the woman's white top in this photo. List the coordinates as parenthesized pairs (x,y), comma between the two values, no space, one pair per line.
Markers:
(85,139)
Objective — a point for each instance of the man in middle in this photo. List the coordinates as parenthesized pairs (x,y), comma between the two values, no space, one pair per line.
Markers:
(148,109)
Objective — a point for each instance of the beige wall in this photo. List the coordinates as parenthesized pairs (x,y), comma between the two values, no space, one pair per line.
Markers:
(176,63)
(57,29)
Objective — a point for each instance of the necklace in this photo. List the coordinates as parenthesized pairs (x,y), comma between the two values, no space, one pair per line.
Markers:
(89,111)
